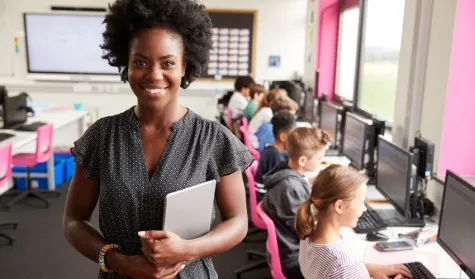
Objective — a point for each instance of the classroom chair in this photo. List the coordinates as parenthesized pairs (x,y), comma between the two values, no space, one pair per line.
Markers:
(272,245)
(44,150)
(247,143)
(5,176)
(244,123)
(259,226)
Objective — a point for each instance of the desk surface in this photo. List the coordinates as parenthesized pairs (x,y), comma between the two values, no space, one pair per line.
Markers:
(358,245)
(57,118)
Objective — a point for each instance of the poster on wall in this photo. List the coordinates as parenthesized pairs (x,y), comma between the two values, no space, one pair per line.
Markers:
(233,52)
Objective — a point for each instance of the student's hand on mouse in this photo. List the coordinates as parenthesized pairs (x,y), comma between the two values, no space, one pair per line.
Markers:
(163,248)
(386,271)
(144,269)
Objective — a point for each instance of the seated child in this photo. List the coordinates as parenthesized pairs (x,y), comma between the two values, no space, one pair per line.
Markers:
(287,189)
(264,134)
(337,200)
(257,93)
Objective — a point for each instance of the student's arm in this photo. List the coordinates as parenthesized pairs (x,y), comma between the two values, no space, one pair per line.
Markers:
(168,248)
(80,203)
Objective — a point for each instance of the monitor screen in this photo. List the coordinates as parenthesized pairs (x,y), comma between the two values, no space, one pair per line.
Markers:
(457,222)
(65,44)
(394,173)
(308,106)
(329,120)
(354,139)
(14,111)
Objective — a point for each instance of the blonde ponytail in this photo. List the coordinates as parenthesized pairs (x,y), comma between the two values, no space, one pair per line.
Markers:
(304,220)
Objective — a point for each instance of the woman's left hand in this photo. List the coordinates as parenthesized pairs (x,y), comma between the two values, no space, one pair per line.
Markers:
(163,248)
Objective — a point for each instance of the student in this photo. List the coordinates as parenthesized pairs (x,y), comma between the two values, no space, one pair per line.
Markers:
(287,189)
(336,201)
(238,101)
(264,112)
(127,163)
(257,93)
(282,124)
(264,134)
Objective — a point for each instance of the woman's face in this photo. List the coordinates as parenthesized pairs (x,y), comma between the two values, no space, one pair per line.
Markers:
(156,66)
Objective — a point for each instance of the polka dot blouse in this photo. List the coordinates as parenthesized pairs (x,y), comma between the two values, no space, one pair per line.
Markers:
(111,151)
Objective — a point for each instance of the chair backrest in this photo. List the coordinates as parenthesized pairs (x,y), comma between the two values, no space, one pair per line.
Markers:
(244,123)
(5,163)
(229,118)
(272,245)
(256,220)
(247,142)
(44,142)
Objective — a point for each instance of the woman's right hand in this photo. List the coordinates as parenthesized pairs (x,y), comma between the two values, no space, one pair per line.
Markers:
(139,267)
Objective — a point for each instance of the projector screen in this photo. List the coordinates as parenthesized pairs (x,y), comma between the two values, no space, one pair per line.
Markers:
(65,44)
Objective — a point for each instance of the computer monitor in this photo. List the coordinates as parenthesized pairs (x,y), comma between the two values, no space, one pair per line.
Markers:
(292,89)
(329,121)
(393,177)
(3,94)
(308,106)
(15,111)
(457,222)
(354,139)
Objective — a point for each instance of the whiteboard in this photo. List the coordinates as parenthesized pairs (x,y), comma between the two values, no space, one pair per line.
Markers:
(6,40)
(65,44)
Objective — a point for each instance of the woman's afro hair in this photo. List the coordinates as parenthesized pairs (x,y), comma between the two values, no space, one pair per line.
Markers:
(187,18)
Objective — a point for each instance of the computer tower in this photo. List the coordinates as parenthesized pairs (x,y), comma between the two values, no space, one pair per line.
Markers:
(426,157)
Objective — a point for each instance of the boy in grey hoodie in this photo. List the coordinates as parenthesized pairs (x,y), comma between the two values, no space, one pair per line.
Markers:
(287,189)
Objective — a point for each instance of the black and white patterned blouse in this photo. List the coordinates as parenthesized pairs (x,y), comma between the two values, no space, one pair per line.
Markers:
(111,151)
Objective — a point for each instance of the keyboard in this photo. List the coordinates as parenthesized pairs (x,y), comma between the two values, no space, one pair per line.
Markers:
(419,271)
(4,136)
(369,221)
(32,127)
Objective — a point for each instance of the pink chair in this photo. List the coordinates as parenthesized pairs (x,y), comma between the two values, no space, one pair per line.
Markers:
(244,123)
(44,150)
(272,245)
(259,226)
(248,144)
(5,176)
(229,118)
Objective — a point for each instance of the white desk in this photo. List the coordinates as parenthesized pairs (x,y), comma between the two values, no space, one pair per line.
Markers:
(357,244)
(68,126)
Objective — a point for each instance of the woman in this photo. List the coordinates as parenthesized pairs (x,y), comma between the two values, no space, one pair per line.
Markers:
(129,162)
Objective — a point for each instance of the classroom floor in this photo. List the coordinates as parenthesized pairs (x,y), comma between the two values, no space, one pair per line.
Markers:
(42,252)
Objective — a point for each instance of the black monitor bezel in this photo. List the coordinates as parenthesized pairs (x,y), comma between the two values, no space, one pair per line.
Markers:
(6,121)
(404,211)
(470,273)
(337,110)
(360,164)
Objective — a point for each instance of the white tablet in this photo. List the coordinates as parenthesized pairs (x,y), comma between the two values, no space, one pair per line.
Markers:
(188,212)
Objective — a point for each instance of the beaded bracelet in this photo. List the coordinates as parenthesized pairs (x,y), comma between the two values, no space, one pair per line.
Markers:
(102,255)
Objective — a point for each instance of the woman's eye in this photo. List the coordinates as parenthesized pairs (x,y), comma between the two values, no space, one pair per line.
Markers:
(139,63)
(169,64)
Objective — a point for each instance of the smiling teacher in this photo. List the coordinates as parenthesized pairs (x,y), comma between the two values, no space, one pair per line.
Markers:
(129,162)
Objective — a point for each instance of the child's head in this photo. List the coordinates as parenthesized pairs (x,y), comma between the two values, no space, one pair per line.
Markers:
(282,123)
(272,95)
(257,92)
(243,84)
(284,103)
(338,194)
(306,147)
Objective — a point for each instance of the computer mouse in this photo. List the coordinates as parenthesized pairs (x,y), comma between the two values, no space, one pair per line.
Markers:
(376,236)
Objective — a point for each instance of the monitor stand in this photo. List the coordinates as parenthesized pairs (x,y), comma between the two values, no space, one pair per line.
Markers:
(392,218)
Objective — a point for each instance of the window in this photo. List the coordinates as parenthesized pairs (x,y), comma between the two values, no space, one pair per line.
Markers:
(381,43)
(347,53)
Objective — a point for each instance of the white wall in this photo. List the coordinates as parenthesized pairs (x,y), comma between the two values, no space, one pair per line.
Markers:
(280,31)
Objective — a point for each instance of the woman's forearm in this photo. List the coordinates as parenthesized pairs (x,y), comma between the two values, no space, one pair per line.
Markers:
(88,241)
(223,237)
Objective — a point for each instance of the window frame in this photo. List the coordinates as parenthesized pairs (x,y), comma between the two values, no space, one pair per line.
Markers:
(344,5)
